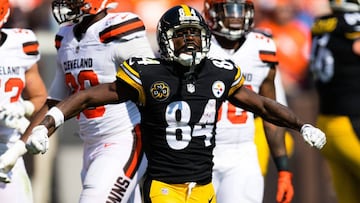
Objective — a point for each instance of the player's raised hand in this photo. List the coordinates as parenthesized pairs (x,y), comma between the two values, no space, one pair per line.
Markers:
(313,136)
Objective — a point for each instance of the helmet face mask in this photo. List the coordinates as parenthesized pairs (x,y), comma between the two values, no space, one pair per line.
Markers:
(345,5)
(231,19)
(4,12)
(182,23)
(67,10)
(74,10)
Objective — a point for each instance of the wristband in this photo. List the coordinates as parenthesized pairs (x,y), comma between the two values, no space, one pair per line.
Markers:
(57,115)
(281,163)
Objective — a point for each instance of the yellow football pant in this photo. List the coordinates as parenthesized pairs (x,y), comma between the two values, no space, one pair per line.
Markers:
(161,192)
(342,152)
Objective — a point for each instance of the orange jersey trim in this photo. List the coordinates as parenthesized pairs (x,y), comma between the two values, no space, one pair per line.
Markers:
(268,57)
(122,29)
(132,165)
(31,48)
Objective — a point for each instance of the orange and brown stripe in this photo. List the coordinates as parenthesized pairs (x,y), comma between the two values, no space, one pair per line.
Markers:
(268,57)
(58,39)
(31,48)
(120,30)
(136,156)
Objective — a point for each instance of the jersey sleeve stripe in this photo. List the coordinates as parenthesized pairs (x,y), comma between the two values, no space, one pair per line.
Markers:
(135,157)
(131,77)
(31,48)
(268,57)
(121,30)
(238,82)
(58,39)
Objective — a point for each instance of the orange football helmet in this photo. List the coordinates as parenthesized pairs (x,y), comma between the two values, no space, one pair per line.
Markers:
(4,11)
(74,10)
(229,18)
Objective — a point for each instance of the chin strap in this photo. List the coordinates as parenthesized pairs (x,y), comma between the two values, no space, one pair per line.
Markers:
(190,76)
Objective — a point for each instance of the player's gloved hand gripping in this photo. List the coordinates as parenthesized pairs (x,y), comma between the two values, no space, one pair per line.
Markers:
(9,158)
(38,141)
(13,115)
(313,136)
(285,190)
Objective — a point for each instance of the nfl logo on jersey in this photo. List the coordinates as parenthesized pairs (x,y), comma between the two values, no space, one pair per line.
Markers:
(190,88)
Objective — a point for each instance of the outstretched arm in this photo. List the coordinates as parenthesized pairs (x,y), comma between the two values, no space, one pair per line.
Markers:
(268,109)
(277,114)
(71,106)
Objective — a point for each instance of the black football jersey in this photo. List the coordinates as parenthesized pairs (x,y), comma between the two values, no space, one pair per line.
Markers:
(335,66)
(178,114)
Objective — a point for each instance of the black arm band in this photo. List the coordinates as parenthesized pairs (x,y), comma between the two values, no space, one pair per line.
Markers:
(281,163)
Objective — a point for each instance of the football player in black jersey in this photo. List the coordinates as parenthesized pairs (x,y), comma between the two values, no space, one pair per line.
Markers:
(178,96)
(336,67)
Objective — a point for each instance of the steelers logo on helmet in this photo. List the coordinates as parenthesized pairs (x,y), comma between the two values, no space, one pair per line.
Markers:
(218,88)
(160,90)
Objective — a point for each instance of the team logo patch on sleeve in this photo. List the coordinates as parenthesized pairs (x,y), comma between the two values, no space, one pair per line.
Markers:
(218,89)
(160,90)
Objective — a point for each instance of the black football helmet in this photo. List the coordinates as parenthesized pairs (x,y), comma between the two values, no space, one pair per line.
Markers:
(345,5)
(239,12)
(73,10)
(176,18)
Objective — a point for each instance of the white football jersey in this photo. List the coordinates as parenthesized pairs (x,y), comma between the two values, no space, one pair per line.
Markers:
(94,60)
(255,57)
(19,52)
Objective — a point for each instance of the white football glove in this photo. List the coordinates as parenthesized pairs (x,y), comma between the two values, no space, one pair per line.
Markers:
(313,136)
(12,116)
(38,141)
(9,158)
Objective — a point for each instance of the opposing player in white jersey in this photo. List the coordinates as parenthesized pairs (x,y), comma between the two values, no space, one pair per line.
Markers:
(237,176)
(91,43)
(19,80)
